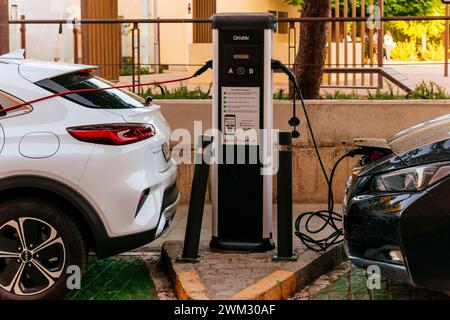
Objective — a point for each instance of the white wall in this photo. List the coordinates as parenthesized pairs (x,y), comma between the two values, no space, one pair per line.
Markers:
(44,41)
(137,9)
(175,37)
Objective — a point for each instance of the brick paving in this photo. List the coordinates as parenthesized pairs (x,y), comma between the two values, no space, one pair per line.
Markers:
(119,278)
(225,274)
(347,282)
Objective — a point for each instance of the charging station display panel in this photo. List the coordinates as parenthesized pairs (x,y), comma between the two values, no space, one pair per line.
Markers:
(240,115)
(241,94)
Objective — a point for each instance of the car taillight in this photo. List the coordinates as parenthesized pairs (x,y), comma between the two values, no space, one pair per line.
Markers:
(113,134)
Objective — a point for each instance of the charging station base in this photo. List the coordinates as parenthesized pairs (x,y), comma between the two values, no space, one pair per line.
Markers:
(262,246)
(189,260)
(277,258)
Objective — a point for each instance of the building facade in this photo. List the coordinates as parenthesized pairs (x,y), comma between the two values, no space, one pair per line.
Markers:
(179,44)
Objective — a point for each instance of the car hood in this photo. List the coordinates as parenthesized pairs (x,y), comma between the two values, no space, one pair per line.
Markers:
(415,137)
(423,143)
(421,135)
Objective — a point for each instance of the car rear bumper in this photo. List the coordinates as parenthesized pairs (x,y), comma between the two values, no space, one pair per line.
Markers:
(115,245)
(169,209)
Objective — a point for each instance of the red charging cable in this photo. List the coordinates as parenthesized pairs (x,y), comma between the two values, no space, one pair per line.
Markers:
(93,90)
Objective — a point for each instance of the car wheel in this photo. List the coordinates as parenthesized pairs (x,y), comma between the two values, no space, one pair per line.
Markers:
(38,242)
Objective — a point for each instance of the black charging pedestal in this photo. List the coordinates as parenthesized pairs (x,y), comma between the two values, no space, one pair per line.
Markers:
(242,106)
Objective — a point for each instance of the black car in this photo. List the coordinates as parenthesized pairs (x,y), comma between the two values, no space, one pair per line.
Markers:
(397,206)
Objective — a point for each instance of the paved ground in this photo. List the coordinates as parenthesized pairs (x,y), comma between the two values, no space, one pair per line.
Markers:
(119,278)
(347,282)
(245,276)
(130,276)
(427,71)
(138,276)
(178,226)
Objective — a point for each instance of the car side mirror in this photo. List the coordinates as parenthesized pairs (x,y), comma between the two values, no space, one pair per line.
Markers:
(148,101)
(2,113)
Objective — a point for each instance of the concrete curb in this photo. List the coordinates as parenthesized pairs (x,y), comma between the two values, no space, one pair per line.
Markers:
(188,286)
(278,285)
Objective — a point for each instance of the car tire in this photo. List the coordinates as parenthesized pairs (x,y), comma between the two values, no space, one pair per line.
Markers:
(38,242)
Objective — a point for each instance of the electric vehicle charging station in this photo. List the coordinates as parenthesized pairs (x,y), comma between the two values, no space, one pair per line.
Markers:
(242,101)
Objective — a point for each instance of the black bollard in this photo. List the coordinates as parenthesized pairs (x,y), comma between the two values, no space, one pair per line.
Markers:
(284,198)
(196,203)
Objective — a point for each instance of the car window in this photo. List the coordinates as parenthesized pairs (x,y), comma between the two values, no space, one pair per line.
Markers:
(6,101)
(107,99)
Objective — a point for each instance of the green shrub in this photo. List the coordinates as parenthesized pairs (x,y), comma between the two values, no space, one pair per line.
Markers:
(428,90)
(339,95)
(281,94)
(181,92)
(435,52)
(127,70)
(424,90)
(405,51)
(386,95)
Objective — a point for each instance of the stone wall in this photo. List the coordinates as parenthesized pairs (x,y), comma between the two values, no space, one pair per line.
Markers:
(335,123)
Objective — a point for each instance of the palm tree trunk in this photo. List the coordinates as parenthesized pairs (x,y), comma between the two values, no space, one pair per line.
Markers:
(311,55)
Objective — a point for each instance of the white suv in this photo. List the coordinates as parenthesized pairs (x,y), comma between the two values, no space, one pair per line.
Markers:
(82,171)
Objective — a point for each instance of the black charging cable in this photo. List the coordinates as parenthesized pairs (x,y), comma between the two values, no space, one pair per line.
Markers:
(204,68)
(329,217)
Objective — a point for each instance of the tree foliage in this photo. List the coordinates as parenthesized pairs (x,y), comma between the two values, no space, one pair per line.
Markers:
(407,7)
(414,30)
(391,7)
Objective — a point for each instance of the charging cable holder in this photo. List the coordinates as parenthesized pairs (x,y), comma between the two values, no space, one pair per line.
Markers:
(294,122)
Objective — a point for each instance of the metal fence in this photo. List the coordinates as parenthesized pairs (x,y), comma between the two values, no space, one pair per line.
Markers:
(355,58)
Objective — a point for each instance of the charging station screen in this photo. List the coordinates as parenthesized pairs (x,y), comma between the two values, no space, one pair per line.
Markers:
(241,56)
(241,95)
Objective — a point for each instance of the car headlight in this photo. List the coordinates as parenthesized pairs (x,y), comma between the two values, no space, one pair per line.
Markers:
(411,179)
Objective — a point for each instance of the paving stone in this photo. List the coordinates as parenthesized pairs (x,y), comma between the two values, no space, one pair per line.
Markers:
(226,274)
(350,283)
(116,279)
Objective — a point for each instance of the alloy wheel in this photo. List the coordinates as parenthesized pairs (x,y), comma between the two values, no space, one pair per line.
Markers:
(32,256)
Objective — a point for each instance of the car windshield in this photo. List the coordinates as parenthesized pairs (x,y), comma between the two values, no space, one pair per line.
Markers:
(421,135)
(106,99)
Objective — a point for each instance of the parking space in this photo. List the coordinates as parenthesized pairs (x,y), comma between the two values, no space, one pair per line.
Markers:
(120,278)
(347,282)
